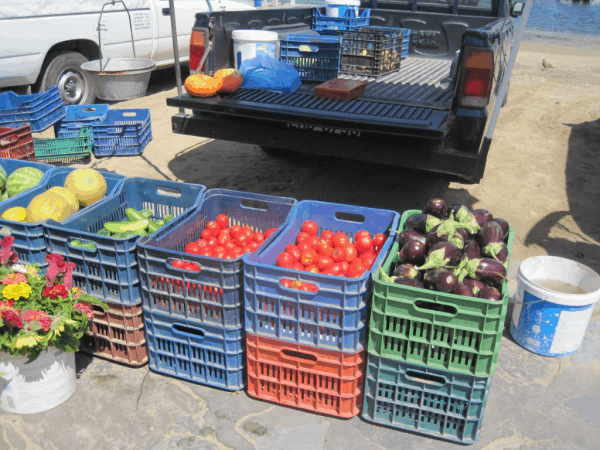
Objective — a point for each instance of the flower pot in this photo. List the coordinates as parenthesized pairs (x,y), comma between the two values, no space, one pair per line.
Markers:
(46,382)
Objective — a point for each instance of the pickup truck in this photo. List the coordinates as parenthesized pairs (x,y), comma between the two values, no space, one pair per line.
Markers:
(434,114)
(44,42)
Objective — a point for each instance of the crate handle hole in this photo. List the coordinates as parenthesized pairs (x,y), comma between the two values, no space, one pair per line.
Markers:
(168,191)
(129,114)
(89,109)
(254,204)
(97,308)
(188,330)
(299,355)
(426,378)
(436,307)
(350,217)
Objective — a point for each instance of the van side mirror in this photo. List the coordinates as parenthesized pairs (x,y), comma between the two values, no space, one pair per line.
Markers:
(517,9)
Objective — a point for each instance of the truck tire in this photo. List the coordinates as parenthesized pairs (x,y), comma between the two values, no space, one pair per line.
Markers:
(63,69)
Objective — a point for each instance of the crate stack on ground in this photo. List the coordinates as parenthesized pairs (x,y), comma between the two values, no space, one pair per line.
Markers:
(17,143)
(106,266)
(40,111)
(431,357)
(194,318)
(306,339)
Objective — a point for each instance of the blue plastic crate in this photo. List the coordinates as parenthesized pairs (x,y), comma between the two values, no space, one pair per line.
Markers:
(316,58)
(214,295)
(30,243)
(124,132)
(79,116)
(331,25)
(10,165)
(201,353)
(40,110)
(436,403)
(111,271)
(335,317)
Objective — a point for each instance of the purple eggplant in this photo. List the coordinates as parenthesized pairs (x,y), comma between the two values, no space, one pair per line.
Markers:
(422,223)
(501,254)
(409,282)
(443,254)
(446,232)
(462,289)
(484,269)
(474,285)
(440,280)
(482,216)
(435,237)
(407,271)
(454,209)
(466,219)
(463,233)
(457,240)
(435,207)
(472,250)
(503,224)
(491,239)
(410,235)
(413,252)
(489,293)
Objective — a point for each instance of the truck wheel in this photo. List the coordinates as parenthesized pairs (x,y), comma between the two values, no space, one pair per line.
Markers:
(63,69)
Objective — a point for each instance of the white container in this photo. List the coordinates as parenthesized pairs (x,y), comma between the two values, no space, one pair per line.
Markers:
(44,383)
(337,8)
(548,322)
(247,44)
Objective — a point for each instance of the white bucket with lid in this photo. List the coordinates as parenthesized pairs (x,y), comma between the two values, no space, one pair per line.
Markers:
(337,8)
(247,44)
(546,320)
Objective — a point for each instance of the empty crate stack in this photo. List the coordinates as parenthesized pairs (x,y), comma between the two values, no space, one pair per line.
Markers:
(193,304)
(105,258)
(431,356)
(306,332)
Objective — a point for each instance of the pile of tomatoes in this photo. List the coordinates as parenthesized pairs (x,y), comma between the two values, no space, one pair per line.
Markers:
(219,240)
(331,253)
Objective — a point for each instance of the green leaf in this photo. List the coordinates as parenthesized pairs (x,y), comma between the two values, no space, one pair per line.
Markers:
(435,260)
(35,326)
(431,222)
(385,276)
(493,249)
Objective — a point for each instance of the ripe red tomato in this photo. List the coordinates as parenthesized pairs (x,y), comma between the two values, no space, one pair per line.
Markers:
(356,270)
(323,248)
(308,257)
(259,238)
(224,236)
(285,282)
(192,248)
(303,246)
(293,251)
(223,221)
(325,262)
(202,243)
(192,267)
(312,268)
(178,264)
(206,251)
(368,259)
(206,234)
(237,252)
(363,243)
(378,241)
(310,227)
(229,256)
(340,239)
(298,266)
(269,232)
(242,239)
(345,265)
(362,233)
(219,252)
(229,245)
(285,260)
(247,249)
(351,253)
(234,230)
(335,270)
(311,287)
(213,227)
(212,242)
(327,235)
(339,254)
(254,246)
(313,241)
(301,236)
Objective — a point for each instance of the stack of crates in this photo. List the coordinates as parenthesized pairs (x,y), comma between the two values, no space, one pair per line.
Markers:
(306,347)
(431,357)
(194,319)
(107,267)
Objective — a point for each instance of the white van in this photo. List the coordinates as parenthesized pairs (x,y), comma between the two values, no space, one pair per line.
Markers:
(44,42)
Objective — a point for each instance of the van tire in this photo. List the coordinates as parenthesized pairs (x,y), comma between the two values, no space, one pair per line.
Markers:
(63,69)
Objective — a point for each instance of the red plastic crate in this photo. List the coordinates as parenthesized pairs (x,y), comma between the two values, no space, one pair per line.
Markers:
(118,334)
(17,143)
(305,377)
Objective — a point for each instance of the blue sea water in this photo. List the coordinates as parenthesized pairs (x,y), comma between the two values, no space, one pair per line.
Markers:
(564,16)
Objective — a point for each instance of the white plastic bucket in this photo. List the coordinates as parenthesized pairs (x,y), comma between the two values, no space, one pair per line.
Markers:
(44,383)
(247,44)
(548,322)
(337,8)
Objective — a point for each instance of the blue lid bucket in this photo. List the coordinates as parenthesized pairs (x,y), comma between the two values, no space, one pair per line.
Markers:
(553,305)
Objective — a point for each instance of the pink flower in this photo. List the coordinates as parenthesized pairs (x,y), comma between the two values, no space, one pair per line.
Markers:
(38,316)
(55,268)
(68,275)
(12,318)
(14,278)
(89,312)
(6,253)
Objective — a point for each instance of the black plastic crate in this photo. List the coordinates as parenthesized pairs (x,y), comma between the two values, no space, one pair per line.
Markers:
(371,51)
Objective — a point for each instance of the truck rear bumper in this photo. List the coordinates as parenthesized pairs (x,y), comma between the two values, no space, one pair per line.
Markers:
(415,153)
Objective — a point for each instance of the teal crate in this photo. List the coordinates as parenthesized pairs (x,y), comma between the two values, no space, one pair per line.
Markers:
(65,151)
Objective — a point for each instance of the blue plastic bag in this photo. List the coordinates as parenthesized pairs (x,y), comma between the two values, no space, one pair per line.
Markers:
(264,72)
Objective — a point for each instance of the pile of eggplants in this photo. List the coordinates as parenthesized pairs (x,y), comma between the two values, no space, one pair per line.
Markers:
(452,250)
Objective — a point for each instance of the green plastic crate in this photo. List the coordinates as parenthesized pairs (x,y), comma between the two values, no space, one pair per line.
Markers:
(65,151)
(466,341)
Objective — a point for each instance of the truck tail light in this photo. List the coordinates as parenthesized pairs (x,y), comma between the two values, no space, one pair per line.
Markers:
(477,78)
(196,51)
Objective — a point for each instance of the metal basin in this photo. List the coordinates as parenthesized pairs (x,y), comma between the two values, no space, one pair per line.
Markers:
(120,78)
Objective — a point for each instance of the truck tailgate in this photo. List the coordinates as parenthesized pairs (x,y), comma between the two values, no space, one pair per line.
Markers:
(414,101)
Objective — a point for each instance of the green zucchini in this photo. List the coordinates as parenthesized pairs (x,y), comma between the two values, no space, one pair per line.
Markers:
(121,227)
(103,233)
(168,218)
(133,215)
(147,213)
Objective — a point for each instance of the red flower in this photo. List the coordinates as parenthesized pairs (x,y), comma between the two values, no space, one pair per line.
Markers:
(58,290)
(86,310)
(6,304)
(6,253)
(12,318)
(38,316)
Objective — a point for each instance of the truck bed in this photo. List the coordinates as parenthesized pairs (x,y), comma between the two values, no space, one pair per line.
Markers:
(414,101)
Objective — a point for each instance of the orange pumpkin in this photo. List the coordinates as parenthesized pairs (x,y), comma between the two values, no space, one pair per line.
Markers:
(232,80)
(201,85)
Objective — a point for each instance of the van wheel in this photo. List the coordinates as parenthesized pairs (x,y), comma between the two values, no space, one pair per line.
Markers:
(63,69)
